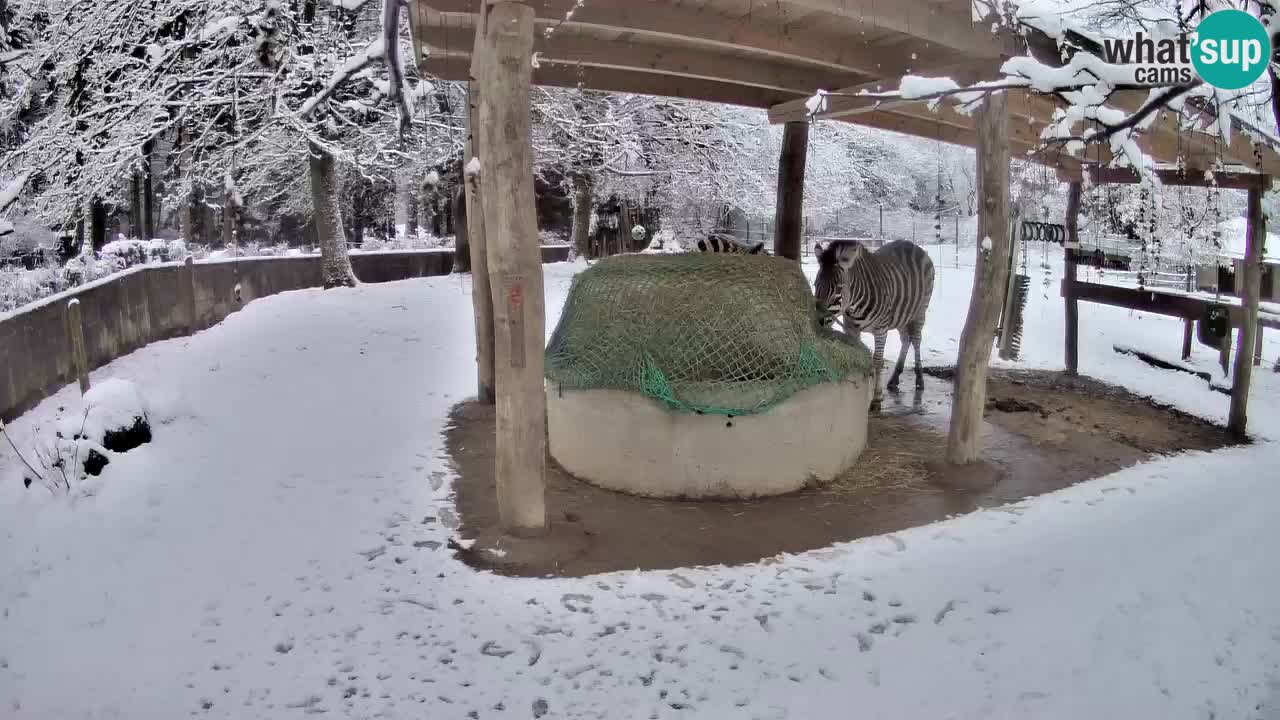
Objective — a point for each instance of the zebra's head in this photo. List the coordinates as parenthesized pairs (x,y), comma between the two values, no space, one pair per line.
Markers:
(831,286)
(721,243)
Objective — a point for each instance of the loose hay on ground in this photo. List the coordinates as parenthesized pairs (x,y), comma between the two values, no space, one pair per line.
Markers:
(895,459)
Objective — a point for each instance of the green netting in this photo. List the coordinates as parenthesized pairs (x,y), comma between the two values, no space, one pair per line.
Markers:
(699,332)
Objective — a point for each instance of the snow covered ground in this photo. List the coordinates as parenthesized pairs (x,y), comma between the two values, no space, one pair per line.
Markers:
(278,551)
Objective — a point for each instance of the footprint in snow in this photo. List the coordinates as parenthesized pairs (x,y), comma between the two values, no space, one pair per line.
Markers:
(448,518)
(374,553)
(681,580)
(942,614)
(576,602)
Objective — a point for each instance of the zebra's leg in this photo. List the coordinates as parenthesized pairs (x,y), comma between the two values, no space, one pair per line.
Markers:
(878,364)
(917,333)
(904,337)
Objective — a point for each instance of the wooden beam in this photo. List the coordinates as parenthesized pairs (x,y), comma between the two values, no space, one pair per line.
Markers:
(1164,139)
(705,25)
(1187,307)
(1224,180)
(1237,421)
(515,265)
(991,268)
(1072,223)
(627,81)
(1180,306)
(789,216)
(947,125)
(565,47)
(949,24)
(842,105)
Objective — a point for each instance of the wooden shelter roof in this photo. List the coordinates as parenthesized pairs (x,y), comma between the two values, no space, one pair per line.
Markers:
(775,54)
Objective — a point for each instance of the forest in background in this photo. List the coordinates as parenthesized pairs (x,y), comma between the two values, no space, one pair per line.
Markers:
(150,130)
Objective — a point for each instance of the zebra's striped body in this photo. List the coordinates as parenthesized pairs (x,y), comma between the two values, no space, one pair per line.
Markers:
(876,292)
(721,243)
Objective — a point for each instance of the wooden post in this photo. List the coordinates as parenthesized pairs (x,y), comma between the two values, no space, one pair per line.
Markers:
(187,286)
(1257,347)
(75,332)
(1072,223)
(1250,288)
(1224,354)
(515,263)
(790,207)
(481,293)
(1188,331)
(989,275)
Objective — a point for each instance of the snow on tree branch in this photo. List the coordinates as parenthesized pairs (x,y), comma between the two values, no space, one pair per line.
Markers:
(372,53)
(1065,60)
(395,68)
(10,191)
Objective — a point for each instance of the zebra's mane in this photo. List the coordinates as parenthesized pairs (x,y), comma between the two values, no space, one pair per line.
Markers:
(831,251)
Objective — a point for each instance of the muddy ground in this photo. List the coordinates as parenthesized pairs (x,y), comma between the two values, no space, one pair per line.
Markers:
(1044,431)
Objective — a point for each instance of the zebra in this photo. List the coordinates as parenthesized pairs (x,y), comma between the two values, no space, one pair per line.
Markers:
(876,292)
(722,243)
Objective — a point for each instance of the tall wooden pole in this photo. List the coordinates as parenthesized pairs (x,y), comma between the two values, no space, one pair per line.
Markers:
(477,249)
(1072,223)
(990,273)
(1250,289)
(790,221)
(515,263)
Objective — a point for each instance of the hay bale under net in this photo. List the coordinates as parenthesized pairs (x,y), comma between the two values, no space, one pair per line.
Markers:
(699,332)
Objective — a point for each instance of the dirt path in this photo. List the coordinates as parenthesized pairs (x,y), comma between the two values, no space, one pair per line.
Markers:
(1044,431)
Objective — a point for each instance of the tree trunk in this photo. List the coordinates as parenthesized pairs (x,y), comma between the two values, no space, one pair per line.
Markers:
(990,274)
(230,236)
(336,266)
(790,208)
(1250,290)
(1072,338)
(404,192)
(135,205)
(148,194)
(412,224)
(511,232)
(97,224)
(462,234)
(583,194)
(79,241)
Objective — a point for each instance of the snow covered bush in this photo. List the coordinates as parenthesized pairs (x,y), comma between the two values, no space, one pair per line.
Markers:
(19,286)
(128,252)
(113,419)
